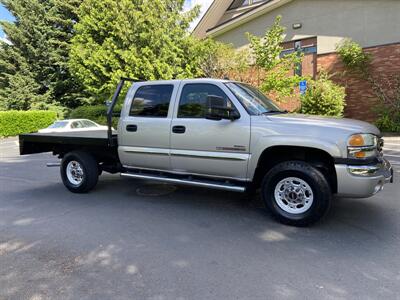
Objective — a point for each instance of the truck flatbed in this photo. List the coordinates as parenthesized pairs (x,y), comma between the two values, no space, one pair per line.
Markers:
(57,142)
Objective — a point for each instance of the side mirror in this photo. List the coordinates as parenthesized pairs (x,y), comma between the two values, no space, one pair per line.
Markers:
(218,110)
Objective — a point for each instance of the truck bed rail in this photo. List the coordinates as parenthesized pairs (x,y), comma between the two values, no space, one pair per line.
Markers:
(110,110)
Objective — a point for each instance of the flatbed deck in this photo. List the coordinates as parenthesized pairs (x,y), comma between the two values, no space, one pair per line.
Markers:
(58,142)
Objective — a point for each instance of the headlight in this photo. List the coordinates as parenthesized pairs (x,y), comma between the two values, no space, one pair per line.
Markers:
(362,146)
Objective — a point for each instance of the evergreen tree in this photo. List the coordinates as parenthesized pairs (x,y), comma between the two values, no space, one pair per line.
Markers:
(33,67)
(131,38)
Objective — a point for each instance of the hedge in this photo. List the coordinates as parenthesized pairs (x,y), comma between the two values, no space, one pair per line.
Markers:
(96,113)
(15,122)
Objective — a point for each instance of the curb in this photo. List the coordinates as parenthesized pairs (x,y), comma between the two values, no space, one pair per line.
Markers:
(395,139)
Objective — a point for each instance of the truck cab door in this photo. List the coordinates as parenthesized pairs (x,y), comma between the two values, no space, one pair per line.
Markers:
(144,126)
(202,146)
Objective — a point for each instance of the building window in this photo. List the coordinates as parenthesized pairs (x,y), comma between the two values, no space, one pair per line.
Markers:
(298,68)
(240,3)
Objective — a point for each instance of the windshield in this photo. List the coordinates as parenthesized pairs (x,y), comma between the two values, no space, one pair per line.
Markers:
(255,102)
(58,124)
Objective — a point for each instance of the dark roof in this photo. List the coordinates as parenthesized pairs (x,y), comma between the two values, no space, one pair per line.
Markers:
(238,16)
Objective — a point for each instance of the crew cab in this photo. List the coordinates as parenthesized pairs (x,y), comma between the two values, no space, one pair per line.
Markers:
(224,135)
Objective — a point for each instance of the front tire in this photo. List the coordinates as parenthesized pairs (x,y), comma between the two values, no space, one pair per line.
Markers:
(296,193)
(79,172)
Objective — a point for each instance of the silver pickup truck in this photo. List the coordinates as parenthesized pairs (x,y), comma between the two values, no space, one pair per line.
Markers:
(225,135)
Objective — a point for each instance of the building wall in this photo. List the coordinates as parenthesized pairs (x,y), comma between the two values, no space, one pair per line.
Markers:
(361,99)
(368,22)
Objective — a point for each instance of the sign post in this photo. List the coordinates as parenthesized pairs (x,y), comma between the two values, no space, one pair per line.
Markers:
(303,87)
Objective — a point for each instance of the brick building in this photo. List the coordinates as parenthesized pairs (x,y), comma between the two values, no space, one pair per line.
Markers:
(317,27)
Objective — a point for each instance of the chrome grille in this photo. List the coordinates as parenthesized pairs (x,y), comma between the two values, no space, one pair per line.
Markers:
(380,145)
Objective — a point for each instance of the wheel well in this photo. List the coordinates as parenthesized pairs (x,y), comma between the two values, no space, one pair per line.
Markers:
(320,159)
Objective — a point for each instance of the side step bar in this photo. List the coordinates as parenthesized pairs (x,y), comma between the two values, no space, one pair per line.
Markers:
(192,182)
(53,165)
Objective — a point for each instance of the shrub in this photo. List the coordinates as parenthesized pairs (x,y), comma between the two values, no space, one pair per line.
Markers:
(353,56)
(15,122)
(323,97)
(388,121)
(96,113)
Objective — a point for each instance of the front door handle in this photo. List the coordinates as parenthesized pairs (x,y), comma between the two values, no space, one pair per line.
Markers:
(179,129)
(131,128)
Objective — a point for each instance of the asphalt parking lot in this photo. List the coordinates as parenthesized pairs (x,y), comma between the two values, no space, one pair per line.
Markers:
(131,239)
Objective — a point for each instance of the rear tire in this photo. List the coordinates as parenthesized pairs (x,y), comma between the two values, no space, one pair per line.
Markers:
(296,193)
(79,172)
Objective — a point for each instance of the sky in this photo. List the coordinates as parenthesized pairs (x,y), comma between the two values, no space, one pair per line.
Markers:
(5,15)
(204,6)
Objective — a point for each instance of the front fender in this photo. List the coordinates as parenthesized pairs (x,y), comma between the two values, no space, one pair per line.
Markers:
(265,142)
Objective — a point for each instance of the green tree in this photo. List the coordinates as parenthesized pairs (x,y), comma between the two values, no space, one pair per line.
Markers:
(33,67)
(279,77)
(219,60)
(131,38)
(267,50)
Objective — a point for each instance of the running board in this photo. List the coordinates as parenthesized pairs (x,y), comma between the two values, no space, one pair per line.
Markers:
(52,165)
(192,182)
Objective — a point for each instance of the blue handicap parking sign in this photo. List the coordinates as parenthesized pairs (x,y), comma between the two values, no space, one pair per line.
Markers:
(303,87)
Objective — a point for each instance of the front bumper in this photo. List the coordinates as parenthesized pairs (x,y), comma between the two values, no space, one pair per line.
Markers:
(363,181)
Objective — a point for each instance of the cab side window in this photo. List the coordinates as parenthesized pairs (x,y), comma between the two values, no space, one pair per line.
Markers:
(152,101)
(88,124)
(197,99)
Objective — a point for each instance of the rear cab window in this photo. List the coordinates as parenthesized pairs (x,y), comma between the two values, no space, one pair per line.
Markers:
(152,101)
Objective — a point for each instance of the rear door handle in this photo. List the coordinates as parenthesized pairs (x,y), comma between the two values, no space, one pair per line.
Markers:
(131,128)
(179,129)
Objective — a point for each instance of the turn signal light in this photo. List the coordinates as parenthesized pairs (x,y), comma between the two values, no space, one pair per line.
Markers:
(360,154)
(356,141)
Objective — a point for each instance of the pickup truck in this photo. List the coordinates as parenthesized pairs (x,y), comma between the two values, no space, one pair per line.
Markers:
(224,135)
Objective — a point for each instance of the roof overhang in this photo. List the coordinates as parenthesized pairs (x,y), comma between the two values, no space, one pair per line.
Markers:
(211,17)
(243,18)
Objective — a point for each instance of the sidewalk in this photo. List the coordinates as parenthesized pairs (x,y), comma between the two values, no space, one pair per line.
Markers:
(392,139)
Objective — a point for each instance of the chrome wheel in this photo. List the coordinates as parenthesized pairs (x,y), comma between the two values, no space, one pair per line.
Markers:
(293,195)
(74,172)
